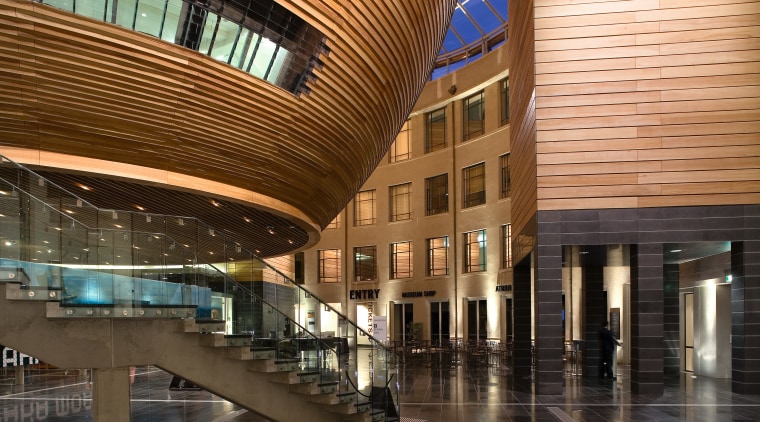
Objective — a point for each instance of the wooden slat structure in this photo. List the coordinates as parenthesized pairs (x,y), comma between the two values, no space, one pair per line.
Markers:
(643,103)
(79,95)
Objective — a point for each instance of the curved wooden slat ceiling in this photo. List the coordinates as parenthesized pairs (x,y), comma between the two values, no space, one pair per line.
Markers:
(81,95)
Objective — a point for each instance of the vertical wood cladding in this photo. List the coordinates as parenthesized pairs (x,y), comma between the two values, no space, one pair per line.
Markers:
(642,103)
(522,120)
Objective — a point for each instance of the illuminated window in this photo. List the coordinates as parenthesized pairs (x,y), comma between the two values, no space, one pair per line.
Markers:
(401,149)
(505,181)
(438,256)
(401,260)
(475,251)
(435,130)
(329,265)
(365,263)
(364,208)
(334,224)
(474,178)
(401,202)
(504,84)
(437,194)
(474,117)
(506,241)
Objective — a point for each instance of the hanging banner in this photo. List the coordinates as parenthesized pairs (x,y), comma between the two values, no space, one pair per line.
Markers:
(380,327)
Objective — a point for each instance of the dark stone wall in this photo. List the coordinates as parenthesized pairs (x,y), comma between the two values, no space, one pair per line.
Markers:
(653,303)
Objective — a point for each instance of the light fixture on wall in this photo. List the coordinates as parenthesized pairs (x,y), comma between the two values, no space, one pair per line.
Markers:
(452,89)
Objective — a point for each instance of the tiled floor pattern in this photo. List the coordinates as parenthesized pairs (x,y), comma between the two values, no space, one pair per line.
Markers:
(429,393)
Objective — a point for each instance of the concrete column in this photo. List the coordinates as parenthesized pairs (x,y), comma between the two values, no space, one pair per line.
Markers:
(672,321)
(745,314)
(19,369)
(647,319)
(547,301)
(111,395)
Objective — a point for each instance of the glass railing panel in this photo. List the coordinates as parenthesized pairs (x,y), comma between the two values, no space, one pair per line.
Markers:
(141,260)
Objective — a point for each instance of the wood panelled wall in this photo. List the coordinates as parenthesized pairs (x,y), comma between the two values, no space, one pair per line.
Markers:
(641,103)
(522,124)
(88,89)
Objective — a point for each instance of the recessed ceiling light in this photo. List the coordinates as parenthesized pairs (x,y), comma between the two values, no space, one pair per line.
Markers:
(675,250)
(85,187)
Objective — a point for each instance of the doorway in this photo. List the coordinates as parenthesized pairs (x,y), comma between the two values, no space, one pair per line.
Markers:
(439,323)
(403,322)
(477,320)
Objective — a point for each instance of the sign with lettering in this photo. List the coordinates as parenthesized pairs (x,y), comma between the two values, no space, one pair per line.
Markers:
(380,331)
(14,358)
(615,322)
(504,288)
(426,293)
(365,294)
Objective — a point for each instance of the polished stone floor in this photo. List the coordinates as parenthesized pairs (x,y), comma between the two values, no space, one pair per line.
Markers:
(429,392)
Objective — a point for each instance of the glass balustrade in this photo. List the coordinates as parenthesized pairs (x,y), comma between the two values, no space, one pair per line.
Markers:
(137,264)
(259,37)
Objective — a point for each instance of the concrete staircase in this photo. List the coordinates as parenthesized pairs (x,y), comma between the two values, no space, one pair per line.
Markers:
(33,321)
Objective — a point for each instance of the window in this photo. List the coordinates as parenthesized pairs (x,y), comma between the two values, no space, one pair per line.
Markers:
(474,185)
(474,117)
(401,202)
(365,263)
(475,251)
(401,149)
(504,101)
(329,266)
(504,176)
(437,194)
(438,256)
(435,130)
(364,208)
(506,241)
(401,260)
(334,224)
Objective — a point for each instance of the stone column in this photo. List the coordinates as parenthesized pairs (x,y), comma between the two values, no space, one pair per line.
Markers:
(521,354)
(547,301)
(111,395)
(672,321)
(745,314)
(647,319)
(595,311)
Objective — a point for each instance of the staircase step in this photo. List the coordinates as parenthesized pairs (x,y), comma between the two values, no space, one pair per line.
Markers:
(56,310)
(263,352)
(272,365)
(13,275)
(311,389)
(293,377)
(238,340)
(210,325)
(347,397)
(15,291)
(364,406)
(377,415)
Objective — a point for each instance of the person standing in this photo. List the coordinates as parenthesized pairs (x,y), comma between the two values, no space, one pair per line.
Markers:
(608,344)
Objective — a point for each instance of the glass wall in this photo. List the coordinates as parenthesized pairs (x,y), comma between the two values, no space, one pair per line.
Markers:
(228,32)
